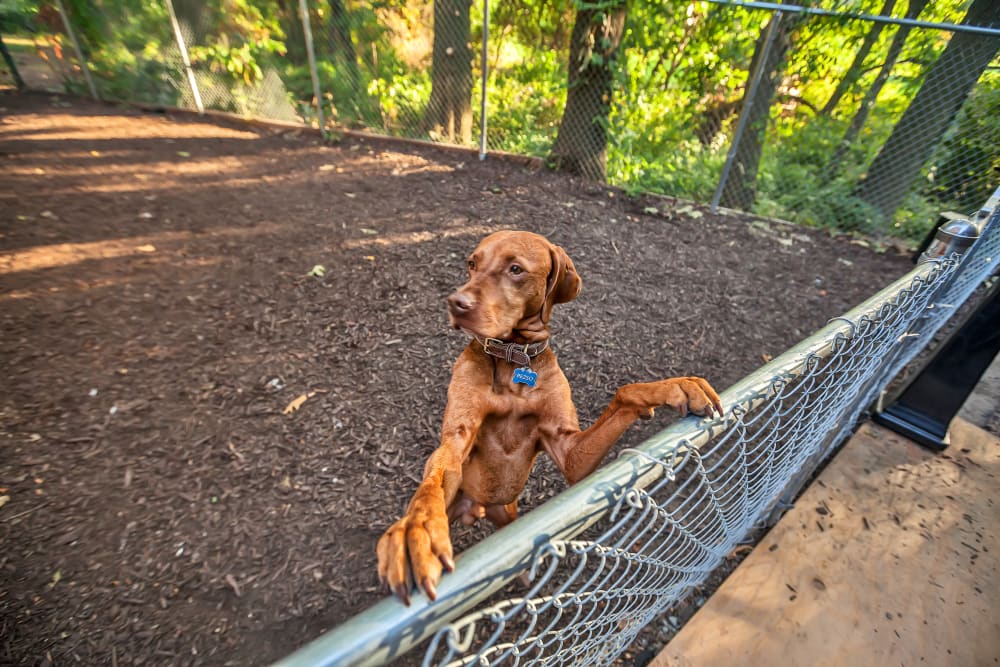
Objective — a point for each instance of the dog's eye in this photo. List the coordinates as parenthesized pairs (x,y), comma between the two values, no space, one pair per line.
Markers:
(472,265)
(516,269)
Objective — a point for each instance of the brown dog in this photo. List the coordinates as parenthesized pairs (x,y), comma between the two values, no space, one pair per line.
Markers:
(508,401)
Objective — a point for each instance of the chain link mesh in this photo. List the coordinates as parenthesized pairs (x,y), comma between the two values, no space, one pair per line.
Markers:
(893,163)
(587,570)
(53,64)
(590,595)
(902,126)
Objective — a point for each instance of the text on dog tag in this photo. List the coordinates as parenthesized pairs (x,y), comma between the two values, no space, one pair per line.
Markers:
(525,376)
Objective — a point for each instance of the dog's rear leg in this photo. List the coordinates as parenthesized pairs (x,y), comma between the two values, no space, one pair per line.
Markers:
(501,515)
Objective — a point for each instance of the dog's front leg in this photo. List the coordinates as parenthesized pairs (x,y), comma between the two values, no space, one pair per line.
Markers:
(417,548)
(578,454)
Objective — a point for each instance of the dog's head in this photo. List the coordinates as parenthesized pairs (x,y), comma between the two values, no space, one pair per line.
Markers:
(514,280)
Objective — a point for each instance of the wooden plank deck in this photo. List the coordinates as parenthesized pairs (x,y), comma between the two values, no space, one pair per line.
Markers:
(889,558)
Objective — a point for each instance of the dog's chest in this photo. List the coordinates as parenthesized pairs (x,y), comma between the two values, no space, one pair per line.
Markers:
(508,436)
(501,460)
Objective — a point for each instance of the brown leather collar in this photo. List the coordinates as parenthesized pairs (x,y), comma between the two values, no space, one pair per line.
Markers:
(515,353)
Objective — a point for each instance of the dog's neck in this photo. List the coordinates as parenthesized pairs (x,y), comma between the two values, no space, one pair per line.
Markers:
(520,354)
(531,329)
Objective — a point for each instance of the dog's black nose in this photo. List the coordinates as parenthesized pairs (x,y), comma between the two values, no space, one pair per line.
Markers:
(460,303)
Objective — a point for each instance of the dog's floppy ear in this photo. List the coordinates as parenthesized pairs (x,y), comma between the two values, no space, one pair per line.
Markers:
(563,283)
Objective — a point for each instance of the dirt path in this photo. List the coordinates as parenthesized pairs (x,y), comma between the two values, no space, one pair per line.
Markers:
(157,318)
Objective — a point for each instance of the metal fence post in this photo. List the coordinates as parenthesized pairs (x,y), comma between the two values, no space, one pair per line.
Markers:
(758,74)
(484,75)
(76,47)
(184,56)
(924,410)
(924,406)
(311,52)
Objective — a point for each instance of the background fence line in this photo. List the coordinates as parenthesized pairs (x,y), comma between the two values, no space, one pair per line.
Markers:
(608,555)
(881,143)
(612,552)
(875,18)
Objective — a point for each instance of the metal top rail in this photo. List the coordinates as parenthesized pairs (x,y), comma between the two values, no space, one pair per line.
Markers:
(877,18)
(389,628)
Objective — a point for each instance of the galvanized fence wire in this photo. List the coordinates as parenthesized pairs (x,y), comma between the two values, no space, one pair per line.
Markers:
(573,581)
(886,153)
(979,261)
(907,131)
(592,594)
(53,46)
(199,76)
(380,73)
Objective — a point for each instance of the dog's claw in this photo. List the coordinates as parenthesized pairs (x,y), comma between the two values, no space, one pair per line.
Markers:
(448,563)
(430,589)
(402,593)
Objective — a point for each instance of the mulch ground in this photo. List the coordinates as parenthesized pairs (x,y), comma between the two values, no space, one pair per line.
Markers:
(158,317)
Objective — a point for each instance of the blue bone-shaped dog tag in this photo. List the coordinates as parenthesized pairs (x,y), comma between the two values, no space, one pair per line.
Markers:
(525,376)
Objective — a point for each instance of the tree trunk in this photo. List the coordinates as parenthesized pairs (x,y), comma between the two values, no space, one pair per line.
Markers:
(740,189)
(581,146)
(449,111)
(868,101)
(854,71)
(933,109)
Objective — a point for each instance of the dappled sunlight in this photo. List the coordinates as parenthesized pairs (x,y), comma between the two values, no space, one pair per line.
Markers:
(161,181)
(64,254)
(84,284)
(410,238)
(67,254)
(190,166)
(148,176)
(423,167)
(63,155)
(194,171)
(37,127)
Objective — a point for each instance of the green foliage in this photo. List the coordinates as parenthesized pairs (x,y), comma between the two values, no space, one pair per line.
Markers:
(681,70)
(17,15)
(966,168)
(526,100)
(240,59)
(127,75)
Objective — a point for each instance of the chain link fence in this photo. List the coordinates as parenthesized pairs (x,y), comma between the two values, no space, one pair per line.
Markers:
(573,581)
(910,126)
(894,139)
(870,122)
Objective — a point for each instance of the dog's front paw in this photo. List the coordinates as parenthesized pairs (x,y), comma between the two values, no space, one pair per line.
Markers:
(694,394)
(684,394)
(415,550)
